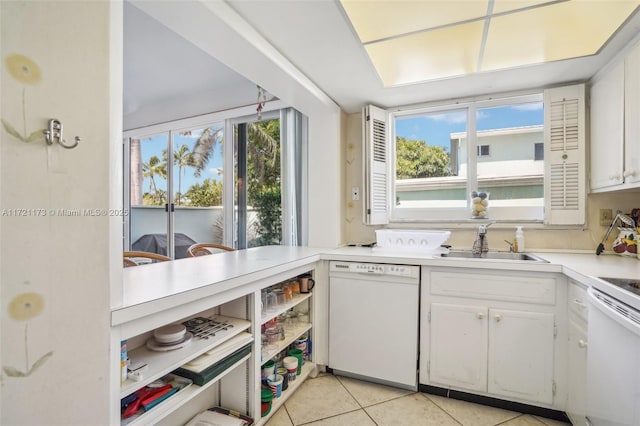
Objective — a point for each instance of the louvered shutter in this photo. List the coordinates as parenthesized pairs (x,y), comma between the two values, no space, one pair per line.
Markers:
(565,155)
(376,154)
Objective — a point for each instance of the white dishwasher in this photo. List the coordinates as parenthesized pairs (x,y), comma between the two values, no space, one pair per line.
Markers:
(373,322)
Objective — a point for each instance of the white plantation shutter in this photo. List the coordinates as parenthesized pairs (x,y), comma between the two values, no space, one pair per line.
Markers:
(565,155)
(376,154)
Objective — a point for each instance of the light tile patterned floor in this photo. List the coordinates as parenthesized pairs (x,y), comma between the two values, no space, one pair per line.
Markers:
(331,400)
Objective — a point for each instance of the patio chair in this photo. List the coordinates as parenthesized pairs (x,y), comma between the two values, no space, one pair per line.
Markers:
(135,258)
(203,249)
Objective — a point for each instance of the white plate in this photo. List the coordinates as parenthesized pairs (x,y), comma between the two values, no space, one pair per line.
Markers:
(160,347)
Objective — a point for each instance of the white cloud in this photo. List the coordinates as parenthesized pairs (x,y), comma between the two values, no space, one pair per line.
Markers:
(451,118)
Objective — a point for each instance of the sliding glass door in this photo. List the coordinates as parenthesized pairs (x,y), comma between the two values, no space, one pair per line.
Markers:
(258,191)
(186,184)
(176,200)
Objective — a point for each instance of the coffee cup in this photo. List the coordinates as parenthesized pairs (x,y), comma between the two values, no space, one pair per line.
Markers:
(300,356)
(306,284)
(291,364)
(285,377)
(275,384)
(269,368)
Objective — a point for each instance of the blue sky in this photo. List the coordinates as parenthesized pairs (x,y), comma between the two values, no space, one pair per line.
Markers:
(435,128)
(155,145)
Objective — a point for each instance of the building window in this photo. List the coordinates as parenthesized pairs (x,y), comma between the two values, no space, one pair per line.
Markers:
(483,150)
(538,154)
(442,154)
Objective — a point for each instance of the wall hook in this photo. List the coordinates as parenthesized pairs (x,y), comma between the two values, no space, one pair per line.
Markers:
(55,133)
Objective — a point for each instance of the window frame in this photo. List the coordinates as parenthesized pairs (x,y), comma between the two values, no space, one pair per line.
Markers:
(273,110)
(529,214)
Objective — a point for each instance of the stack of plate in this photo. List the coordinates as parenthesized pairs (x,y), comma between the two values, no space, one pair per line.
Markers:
(169,337)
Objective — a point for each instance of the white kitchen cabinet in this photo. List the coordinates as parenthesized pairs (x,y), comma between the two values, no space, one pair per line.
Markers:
(615,128)
(502,352)
(607,128)
(631,172)
(577,353)
(492,333)
(458,349)
(520,356)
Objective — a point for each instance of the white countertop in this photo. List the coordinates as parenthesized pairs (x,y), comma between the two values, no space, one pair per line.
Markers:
(155,287)
(159,286)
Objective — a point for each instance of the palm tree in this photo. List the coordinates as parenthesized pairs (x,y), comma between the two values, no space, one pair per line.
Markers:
(136,172)
(154,167)
(203,148)
(182,159)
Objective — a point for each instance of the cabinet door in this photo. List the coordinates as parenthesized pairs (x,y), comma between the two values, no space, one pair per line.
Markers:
(521,355)
(458,349)
(577,373)
(607,128)
(632,116)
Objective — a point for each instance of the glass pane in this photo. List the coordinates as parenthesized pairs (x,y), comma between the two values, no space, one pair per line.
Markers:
(510,170)
(148,193)
(197,185)
(264,201)
(431,162)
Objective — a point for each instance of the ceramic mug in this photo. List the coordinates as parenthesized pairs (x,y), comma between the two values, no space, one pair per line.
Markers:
(306,284)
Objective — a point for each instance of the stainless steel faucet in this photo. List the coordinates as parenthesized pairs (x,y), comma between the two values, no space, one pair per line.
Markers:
(481,244)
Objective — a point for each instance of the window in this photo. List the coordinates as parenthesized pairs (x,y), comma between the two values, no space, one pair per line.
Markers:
(483,151)
(444,154)
(219,179)
(538,151)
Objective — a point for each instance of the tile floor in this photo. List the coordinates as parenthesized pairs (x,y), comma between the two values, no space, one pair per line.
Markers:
(331,400)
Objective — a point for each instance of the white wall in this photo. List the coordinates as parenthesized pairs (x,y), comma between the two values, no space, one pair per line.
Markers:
(57,271)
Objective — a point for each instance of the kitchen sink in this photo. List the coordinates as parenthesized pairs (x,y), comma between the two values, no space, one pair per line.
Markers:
(494,255)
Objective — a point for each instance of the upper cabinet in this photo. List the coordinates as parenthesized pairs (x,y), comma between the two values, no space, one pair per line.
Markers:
(615,125)
(631,171)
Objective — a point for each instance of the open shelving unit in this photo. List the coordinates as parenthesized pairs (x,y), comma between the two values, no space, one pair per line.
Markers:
(161,363)
(291,334)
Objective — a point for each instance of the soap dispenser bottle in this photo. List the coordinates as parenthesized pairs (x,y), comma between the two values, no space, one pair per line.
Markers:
(519,243)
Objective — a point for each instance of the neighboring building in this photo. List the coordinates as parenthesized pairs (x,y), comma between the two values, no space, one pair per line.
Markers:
(510,166)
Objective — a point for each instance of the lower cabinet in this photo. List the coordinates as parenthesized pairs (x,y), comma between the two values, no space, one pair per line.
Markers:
(491,333)
(501,352)
(577,354)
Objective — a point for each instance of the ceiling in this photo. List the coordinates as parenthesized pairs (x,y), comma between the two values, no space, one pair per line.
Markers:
(316,36)
(414,41)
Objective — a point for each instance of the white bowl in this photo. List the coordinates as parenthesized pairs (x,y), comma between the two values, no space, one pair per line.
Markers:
(170,333)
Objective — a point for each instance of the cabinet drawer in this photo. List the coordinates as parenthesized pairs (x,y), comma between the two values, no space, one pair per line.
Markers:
(578,302)
(512,288)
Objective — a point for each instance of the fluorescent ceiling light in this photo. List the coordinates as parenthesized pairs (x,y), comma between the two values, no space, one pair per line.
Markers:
(415,41)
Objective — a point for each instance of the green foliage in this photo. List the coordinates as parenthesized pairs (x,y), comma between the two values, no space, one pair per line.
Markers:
(268,205)
(154,167)
(206,194)
(156,198)
(416,159)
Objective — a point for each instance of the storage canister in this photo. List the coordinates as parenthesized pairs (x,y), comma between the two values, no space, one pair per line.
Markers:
(266,397)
